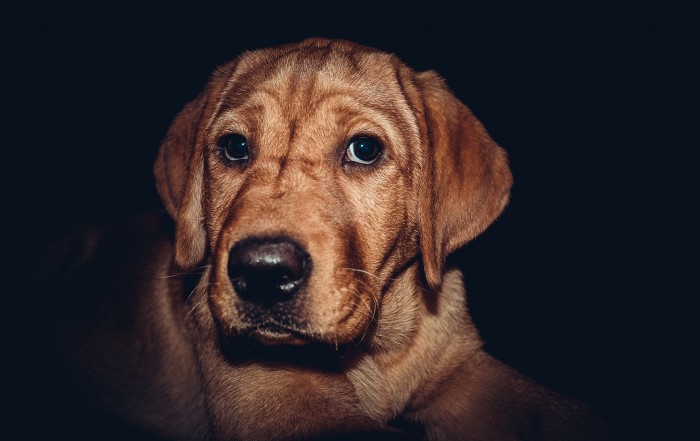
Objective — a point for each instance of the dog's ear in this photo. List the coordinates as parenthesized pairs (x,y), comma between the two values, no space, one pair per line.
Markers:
(179,169)
(179,172)
(465,178)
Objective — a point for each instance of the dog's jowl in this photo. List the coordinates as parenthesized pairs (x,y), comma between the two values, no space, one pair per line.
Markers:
(297,287)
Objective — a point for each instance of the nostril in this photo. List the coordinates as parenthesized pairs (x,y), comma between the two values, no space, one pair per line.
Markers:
(267,270)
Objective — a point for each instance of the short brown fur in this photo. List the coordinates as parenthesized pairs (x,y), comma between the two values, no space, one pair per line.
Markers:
(406,355)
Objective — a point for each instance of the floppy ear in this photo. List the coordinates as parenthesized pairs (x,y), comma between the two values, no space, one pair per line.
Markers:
(465,179)
(179,171)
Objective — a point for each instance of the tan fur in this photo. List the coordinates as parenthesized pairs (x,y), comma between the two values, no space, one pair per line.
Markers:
(378,237)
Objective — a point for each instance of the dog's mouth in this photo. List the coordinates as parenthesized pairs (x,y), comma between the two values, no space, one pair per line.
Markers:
(273,333)
(290,323)
(276,324)
(282,347)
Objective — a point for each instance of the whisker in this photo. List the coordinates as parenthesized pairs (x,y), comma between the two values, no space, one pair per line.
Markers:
(195,305)
(169,276)
(357,270)
(389,279)
(202,286)
(371,312)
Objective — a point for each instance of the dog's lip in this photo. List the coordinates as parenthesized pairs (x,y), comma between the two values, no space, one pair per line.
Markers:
(272,333)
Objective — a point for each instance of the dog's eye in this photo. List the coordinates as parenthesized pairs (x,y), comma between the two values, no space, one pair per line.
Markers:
(234,147)
(363,150)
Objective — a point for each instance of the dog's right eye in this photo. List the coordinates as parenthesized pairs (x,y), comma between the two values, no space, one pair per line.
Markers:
(234,147)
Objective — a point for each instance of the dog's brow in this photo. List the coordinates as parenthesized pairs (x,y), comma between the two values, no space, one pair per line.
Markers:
(347,101)
(242,100)
(245,86)
(346,96)
(262,96)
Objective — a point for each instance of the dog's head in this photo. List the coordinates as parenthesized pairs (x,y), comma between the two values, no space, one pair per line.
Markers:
(312,175)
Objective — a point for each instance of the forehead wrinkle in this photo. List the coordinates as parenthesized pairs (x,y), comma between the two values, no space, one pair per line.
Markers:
(291,67)
(284,73)
(349,100)
(230,69)
(250,116)
(239,99)
(247,78)
(350,108)
(252,68)
(279,87)
(258,100)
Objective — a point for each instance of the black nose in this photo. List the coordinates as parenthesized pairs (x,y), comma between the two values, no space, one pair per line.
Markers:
(268,270)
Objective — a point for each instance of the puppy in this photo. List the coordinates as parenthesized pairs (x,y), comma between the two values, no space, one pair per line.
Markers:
(315,191)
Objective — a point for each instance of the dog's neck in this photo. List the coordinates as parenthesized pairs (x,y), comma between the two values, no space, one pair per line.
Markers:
(426,366)
(419,334)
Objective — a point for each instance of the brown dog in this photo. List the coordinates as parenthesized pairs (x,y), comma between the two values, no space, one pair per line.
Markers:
(318,187)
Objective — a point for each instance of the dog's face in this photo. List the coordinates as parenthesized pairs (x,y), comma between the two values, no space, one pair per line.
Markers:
(311,175)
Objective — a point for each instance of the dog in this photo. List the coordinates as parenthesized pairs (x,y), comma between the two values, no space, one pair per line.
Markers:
(298,289)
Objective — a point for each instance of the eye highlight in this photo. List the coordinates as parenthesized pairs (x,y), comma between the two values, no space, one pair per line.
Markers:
(234,147)
(363,150)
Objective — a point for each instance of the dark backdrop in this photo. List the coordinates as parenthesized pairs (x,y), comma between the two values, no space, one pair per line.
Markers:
(587,283)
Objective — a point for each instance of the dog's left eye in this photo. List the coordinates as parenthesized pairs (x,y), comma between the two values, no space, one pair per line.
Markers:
(234,147)
(363,150)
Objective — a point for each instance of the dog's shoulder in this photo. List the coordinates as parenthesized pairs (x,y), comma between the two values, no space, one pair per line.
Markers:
(111,308)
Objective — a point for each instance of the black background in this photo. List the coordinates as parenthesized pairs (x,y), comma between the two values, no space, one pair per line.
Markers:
(587,283)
